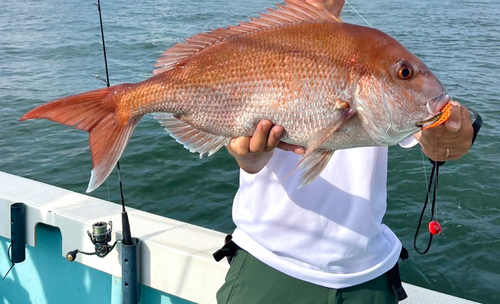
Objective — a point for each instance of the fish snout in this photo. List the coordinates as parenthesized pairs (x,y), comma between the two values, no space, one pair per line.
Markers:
(435,105)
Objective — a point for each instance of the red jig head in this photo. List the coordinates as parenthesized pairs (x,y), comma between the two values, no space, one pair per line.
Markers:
(434,227)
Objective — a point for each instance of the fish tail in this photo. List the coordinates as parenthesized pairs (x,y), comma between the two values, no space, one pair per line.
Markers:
(97,113)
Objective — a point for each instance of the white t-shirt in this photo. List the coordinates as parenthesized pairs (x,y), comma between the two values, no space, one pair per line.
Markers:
(329,232)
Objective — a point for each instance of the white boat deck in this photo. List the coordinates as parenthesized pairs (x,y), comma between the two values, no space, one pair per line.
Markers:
(176,256)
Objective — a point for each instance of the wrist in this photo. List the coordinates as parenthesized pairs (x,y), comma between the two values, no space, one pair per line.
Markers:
(252,163)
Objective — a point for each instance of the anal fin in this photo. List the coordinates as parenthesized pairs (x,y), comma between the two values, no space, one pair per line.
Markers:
(191,138)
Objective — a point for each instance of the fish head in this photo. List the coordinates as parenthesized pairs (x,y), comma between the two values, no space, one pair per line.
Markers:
(402,92)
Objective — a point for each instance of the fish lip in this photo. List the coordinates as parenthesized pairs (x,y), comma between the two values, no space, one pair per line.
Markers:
(434,107)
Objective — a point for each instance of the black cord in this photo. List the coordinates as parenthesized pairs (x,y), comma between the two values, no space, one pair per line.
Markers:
(433,183)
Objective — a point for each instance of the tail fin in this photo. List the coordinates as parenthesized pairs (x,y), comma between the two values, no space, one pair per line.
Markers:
(96,113)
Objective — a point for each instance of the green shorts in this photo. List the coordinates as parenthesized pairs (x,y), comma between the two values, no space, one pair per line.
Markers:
(251,281)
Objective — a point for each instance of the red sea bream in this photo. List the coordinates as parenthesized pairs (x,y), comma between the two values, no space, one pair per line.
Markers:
(331,85)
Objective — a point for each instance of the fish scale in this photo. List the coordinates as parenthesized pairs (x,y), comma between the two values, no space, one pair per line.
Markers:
(261,90)
(331,85)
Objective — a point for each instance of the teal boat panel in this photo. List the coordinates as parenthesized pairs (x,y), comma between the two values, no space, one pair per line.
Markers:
(46,277)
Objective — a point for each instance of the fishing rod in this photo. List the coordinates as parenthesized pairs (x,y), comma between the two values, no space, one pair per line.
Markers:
(127,237)
(101,234)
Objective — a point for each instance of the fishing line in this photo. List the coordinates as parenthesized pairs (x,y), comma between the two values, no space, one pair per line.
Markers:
(434,226)
(424,167)
(98,4)
(358,14)
(10,259)
(435,186)
(127,236)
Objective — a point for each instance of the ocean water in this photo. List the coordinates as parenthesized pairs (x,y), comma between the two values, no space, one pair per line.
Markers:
(50,49)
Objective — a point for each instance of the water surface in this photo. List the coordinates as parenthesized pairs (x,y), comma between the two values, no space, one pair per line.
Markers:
(50,49)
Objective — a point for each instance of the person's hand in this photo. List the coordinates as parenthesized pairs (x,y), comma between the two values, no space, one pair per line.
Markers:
(253,152)
(450,140)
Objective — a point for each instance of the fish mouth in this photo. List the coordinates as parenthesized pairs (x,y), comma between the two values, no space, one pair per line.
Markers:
(435,107)
(424,124)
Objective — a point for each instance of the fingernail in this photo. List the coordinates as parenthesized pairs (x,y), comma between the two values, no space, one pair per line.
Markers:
(265,126)
(453,125)
(278,133)
(300,151)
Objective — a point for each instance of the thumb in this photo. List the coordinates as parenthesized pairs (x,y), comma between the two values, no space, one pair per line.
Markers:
(454,122)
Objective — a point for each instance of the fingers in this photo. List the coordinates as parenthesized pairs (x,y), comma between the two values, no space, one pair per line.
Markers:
(257,143)
(265,138)
(454,122)
(451,140)
(238,146)
(289,147)
(253,152)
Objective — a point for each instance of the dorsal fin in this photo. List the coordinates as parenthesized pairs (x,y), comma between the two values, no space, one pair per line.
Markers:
(293,12)
(334,6)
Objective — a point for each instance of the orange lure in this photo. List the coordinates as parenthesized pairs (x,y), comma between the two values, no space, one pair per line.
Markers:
(445,114)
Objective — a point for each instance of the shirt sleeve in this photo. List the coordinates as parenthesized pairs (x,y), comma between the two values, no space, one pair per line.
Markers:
(408,142)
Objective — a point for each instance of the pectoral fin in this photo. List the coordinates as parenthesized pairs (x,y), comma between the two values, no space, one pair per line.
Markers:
(319,138)
(316,158)
(313,165)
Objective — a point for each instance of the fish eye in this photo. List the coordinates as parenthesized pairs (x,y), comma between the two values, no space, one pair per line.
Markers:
(404,70)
